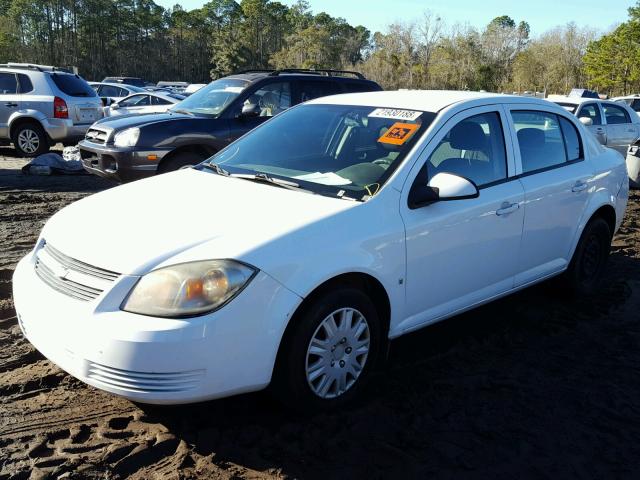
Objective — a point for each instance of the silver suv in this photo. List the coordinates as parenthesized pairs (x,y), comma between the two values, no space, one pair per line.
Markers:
(41,106)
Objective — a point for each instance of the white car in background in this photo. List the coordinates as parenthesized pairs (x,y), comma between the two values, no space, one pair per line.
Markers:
(296,253)
(615,124)
(114,91)
(193,88)
(139,103)
(632,100)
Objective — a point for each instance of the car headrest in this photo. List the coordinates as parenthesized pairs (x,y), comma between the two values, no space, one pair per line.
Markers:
(530,138)
(467,136)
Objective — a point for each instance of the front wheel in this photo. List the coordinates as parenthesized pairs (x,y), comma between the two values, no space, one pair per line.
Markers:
(589,259)
(328,355)
(180,160)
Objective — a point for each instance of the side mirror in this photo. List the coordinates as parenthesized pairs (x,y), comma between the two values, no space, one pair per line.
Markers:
(250,110)
(442,187)
(586,121)
(115,106)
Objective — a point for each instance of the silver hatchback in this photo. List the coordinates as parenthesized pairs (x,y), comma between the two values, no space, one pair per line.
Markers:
(43,105)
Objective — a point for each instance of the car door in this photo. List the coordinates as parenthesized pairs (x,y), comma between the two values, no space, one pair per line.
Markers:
(463,252)
(9,100)
(592,111)
(621,131)
(269,99)
(557,183)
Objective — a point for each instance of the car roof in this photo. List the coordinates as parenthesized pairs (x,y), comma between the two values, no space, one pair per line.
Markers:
(119,85)
(573,100)
(255,76)
(425,100)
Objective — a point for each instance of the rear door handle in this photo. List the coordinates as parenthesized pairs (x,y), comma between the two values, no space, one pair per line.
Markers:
(507,208)
(10,104)
(579,187)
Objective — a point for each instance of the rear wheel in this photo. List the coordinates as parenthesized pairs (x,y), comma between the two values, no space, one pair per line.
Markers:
(590,258)
(328,356)
(180,160)
(30,140)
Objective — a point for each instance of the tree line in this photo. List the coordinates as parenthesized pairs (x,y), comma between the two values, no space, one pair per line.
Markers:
(140,38)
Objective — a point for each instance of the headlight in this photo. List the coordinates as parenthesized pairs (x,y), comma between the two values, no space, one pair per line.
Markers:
(188,288)
(127,138)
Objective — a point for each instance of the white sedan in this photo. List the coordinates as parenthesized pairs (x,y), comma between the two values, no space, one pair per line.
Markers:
(292,257)
(139,103)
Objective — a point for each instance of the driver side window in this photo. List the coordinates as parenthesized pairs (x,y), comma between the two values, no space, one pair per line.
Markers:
(474,148)
(272,98)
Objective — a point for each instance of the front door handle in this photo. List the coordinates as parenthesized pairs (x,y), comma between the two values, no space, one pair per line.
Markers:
(507,208)
(10,104)
(579,187)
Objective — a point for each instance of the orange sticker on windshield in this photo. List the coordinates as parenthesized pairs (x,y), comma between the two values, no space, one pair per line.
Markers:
(399,133)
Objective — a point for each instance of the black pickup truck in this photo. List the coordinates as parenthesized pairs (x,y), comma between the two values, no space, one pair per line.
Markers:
(130,147)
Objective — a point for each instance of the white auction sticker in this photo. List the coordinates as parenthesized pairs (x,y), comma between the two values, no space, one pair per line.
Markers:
(395,114)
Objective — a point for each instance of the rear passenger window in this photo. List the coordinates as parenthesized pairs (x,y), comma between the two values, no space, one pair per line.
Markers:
(8,84)
(25,83)
(310,90)
(615,115)
(474,149)
(542,141)
(571,140)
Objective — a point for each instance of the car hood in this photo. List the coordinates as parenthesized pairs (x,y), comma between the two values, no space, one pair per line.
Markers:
(183,216)
(120,122)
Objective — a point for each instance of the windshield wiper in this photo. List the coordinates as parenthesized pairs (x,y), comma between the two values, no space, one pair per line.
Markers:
(264,178)
(216,168)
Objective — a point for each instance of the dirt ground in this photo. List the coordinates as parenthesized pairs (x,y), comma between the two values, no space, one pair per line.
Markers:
(534,385)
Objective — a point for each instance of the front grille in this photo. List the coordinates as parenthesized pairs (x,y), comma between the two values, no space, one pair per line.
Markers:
(79,266)
(95,135)
(144,382)
(71,277)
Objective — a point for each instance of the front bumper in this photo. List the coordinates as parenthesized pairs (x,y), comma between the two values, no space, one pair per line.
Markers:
(156,360)
(122,164)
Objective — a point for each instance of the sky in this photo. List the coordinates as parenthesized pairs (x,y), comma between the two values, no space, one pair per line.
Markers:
(542,15)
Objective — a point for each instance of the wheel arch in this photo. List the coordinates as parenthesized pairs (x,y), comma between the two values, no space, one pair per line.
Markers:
(602,209)
(204,151)
(360,280)
(21,120)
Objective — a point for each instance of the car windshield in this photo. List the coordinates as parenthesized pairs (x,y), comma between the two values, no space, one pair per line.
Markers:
(335,150)
(213,98)
(133,88)
(569,107)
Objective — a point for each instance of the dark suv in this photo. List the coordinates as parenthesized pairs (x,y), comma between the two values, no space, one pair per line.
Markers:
(136,146)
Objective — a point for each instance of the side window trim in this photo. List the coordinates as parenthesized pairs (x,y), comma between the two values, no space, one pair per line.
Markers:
(621,107)
(520,173)
(15,77)
(418,169)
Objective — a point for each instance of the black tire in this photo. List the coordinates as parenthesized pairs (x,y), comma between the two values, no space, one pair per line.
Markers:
(290,383)
(30,140)
(180,160)
(589,259)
